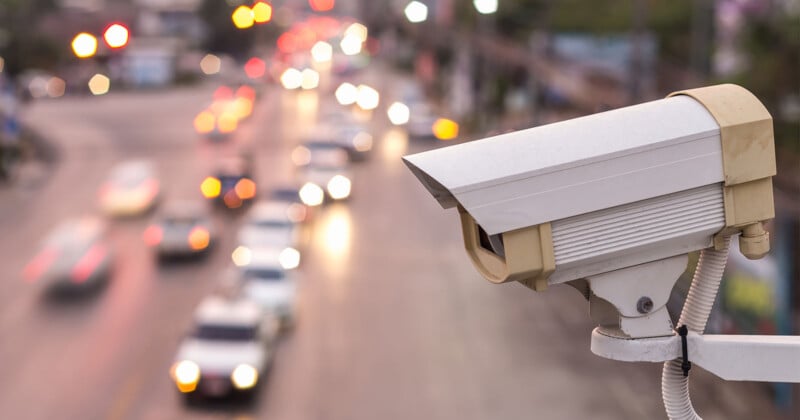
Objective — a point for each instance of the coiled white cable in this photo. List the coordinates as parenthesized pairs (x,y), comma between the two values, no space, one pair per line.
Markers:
(702,293)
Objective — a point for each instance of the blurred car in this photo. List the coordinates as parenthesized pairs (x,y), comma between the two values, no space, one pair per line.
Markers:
(74,257)
(267,283)
(324,166)
(182,229)
(297,211)
(132,188)
(232,184)
(420,121)
(354,139)
(229,350)
(269,228)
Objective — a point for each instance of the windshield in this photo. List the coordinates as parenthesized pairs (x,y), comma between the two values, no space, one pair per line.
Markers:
(225,332)
(265,274)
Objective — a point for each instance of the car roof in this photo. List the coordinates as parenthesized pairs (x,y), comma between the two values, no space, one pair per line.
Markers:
(264,258)
(76,231)
(131,170)
(222,310)
(270,210)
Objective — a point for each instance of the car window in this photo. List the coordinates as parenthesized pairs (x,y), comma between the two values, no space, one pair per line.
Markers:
(225,332)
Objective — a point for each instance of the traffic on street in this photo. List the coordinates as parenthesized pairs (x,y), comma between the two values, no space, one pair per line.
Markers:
(235,235)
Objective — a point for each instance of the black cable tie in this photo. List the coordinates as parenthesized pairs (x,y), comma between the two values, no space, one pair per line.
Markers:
(683,331)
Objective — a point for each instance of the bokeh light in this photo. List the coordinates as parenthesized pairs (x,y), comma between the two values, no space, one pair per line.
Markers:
(351,44)
(310,79)
(210,187)
(262,12)
(291,78)
(322,52)
(311,194)
(358,30)
(242,256)
(116,36)
(227,122)
(204,122)
(210,64)
(245,188)
(255,68)
(416,12)
(56,87)
(398,113)
(346,94)
(199,238)
(485,7)
(289,258)
(321,5)
(243,17)
(84,45)
(445,129)
(368,98)
(99,84)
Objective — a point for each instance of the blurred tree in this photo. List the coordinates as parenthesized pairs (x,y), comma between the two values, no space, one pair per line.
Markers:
(21,45)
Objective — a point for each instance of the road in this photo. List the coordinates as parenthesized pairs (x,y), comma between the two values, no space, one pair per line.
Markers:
(393,321)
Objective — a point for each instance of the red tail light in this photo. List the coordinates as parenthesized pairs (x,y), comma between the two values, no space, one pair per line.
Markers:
(88,263)
(39,264)
(153,235)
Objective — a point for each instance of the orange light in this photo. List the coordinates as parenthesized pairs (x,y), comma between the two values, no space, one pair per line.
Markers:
(255,68)
(321,5)
(210,187)
(243,17)
(245,189)
(84,45)
(245,91)
(199,238)
(262,12)
(242,107)
(231,200)
(445,129)
(204,122)
(227,122)
(153,235)
(116,36)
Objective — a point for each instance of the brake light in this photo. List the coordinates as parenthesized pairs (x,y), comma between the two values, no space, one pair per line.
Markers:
(88,263)
(153,235)
(39,264)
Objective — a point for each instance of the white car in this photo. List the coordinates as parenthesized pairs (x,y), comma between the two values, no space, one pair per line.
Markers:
(327,169)
(266,282)
(229,350)
(132,188)
(268,225)
(182,229)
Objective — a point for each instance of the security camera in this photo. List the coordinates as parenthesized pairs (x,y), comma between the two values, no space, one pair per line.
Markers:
(613,202)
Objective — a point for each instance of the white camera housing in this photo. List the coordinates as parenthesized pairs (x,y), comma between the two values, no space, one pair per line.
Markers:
(587,196)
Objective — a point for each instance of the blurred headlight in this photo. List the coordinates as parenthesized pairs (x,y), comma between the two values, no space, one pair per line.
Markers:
(244,376)
(362,142)
(398,113)
(186,374)
(311,194)
(339,187)
(242,256)
(289,258)
(368,97)
(346,94)
(291,78)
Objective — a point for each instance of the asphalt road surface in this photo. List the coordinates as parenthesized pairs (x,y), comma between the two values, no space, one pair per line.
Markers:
(393,322)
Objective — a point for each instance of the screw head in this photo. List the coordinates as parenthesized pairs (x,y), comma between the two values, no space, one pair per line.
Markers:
(644,305)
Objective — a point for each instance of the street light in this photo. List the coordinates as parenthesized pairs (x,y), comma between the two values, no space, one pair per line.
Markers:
(485,7)
(416,12)
(84,45)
